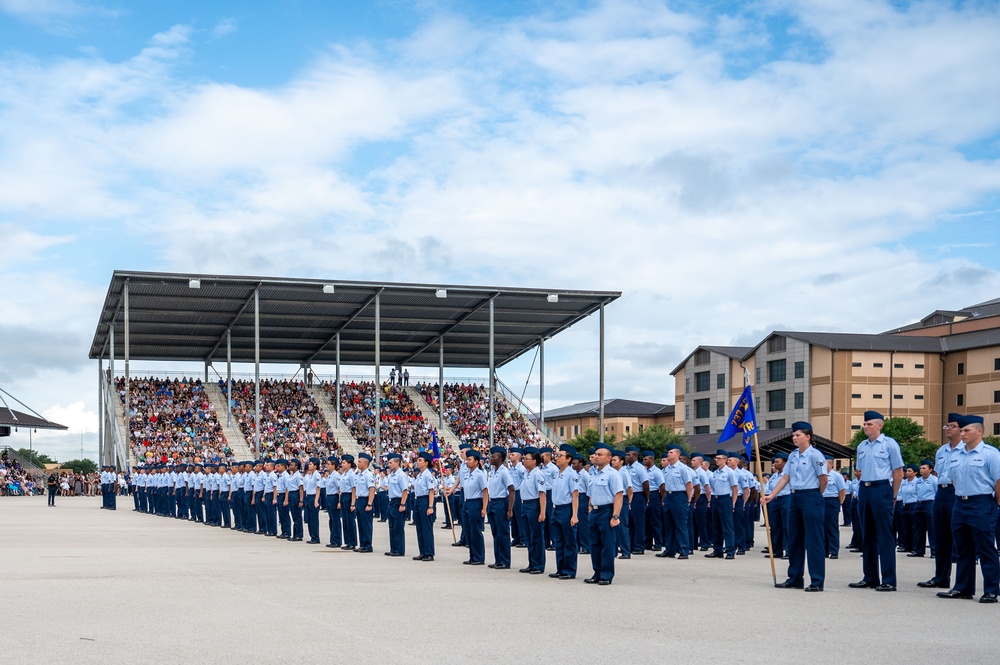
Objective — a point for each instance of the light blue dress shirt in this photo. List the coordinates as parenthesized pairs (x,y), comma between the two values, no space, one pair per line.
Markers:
(567,481)
(676,476)
(907,491)
(655,478)
(723,481)
(533,485)
(975,471)
(879,458)
(423,483)
(805,468)
(364,481)
(500,480)
(637,475)
(606,484)
(834,483)
(475,484)
(398,483)
(926,488)
(942,463)
(310,482)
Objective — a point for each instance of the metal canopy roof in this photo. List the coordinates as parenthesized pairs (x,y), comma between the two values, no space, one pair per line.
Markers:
(771,441)
(299,320)
(12,418)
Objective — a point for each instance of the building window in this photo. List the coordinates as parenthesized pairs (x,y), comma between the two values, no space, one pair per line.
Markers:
(562,431)
(576,430)
(627,429)
(918,366)
(720,409)
(687,385)
(702,357)
(996,396)
(776,370)
(775,400)
(701,408)
(996,364)
(756,373)
(996,429)
(855,395)
(800,400)
(776,424)
(701,429)
(776,344)
(898,365)
(855,427)
(640,428)
(800,369)
(961,369)
(960,400)
(918,397)
(687,412)
(720,381)
(876,364)
(897,397)
(702,381)
(875,396)
(855,364)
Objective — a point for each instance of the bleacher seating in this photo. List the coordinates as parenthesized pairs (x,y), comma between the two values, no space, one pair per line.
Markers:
(291,424)
(172,420)
(404,429)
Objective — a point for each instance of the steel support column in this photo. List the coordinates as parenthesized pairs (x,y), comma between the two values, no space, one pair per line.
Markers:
(256,372)
(127,434)
(229,378)
(441,387)
(541,384)
(111,367)
(378,379)
(337,405)
(601,380)
(100,408)
(492,369)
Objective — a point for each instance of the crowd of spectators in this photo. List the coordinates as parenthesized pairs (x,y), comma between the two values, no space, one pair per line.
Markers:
(15,480)
(404,429)
(466,413)
(291,423)
(173,420)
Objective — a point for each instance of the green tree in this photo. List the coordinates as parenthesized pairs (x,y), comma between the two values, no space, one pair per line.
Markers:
(910,436)
(81,465)
(35,457)
(590,438)
(657,438)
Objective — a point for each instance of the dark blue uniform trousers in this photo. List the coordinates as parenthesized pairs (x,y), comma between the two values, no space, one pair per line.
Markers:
(198,503)
(311,517)
(500,528)
(856,539)
(922,523)
(249,512)
(624,541)
(974,524)
(238,509)
(654,521)
(460,515)
(547,525)
(261,511)
(637,522)
(603,541)
(515,521)
(806,536)
(333,514)
(179,513)
(831,524)
(270,514)
(722,525)
(777,517)
(424,524)
(224,508)
(877,539)
(474,535)
(583,525)
(347,518)
(699,525)
(295,508)
(284,515)
(847,508)
(365,518)
(564,540)
(397,536)
(739,524)
(675,523)
(535,537)
(944,551)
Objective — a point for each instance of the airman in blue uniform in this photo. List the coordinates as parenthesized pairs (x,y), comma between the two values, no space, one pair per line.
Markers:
(725,488)
(348,492)
(944,504)
(606,501)
(296,496)
(533,498)
(310,488)
(622,532)
(833,497)
(583,514)
(332,484)
(397,490)
(501,507)
(477,496)
(654,508)
(639,479)
(777,506)
(678,494)
(364,499)
(925,488)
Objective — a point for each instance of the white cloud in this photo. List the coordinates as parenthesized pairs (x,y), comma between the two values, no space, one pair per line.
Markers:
(223,28)
(75,416)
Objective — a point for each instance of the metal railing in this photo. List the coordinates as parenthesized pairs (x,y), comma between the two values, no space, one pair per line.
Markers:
(111,398)
(38,474)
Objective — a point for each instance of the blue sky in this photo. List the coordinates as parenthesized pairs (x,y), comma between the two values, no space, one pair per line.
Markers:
(833,163)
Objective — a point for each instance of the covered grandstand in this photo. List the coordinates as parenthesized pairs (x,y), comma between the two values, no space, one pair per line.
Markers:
(217,318)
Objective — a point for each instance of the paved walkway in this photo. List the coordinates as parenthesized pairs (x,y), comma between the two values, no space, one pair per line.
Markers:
(86,585)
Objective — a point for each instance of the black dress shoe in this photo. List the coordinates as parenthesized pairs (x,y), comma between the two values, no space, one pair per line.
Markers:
(467,562)
(664,555)
(458,544)
(550,549)
(591,580)
(932,584)
(885,587)
(833,556)
(477,563)
(564,576)
(502,567)
(713,555)
(741,552)
(334,547)
(638,551)
(427,557)
(682,557)
(624,556)
(912,554)
(702,549)
(555,575)
(900,549)
(604,582)
(855,549)
(788,584)
(524,570)
(536,572)
(955,594)
(730,556)
(863,584)
(390,554)
(419,557)
(492,565)
(814,587)
(313,542)
(988,598)
(347,547)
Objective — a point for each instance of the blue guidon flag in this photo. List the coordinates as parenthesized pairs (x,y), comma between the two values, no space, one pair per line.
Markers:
(742,419)
(434,446)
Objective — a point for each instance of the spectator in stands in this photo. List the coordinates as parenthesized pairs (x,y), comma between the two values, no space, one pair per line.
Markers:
(291,423)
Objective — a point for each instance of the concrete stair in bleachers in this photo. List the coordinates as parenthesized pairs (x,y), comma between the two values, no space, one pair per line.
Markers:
(234,437)
(123,428)
(445,436)
(345,439)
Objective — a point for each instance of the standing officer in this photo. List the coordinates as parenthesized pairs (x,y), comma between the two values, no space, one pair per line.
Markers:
(225,496)
(364,482)
(198,494)
(551,471)
(296,495)
(250,514)
(477,498)
(566,497)
(423,506)
(533,499)
(281,499)
(777,505)
(699,511)
(517,528)
(236,485)
(855,544)
(833,496)
(944,504)
(448,482)
(622,532)
(310,487)
(347,498)
(881,465)
(925,487)
(654,509)
(739,508)
(178,490)
(462,472)
(397,490)
(679,492)
(639,480)
(257,497)
(606,501)
(907,497)
(848,498)
(583,514)
(332,482)
(807,476)
(270,497)
(975,470)
(501,507)
(725,488)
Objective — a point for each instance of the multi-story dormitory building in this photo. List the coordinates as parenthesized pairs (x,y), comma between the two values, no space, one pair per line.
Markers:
(948,361)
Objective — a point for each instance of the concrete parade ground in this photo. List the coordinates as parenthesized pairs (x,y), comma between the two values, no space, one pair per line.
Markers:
(84,585)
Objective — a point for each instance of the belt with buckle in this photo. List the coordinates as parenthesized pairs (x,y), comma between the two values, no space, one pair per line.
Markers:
(871,483)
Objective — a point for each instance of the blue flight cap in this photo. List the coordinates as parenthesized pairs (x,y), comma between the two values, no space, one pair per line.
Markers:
(970,420)
(427,457)
(333,458)
(393,456)
(873,415)
(801,424)
(828,457)
(914,467)
(314,460)
(464,446)
(223,464)
(580,457)
(531,449)
(783,456)
(593,450)
(282,462)
(365,456)
(618,453)
(701,455)
(674,446)
(258,461)
(471,452)
(953,417)
(928,462)
(498,449)
(347,458)
(632,449)
(566,448)
(648,453)
(603,446)
(515,449)
(268,460)
(545,449)
(721,453)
